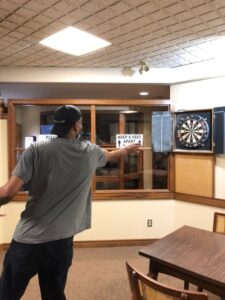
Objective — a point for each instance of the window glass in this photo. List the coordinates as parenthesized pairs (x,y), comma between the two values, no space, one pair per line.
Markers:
(107,126)
(144,170)
(160,170)
(35,120)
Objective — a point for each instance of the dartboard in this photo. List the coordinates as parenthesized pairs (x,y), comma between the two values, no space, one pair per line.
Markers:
(192,131)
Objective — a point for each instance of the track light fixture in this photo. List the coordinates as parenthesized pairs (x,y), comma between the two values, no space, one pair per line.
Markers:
(143,67)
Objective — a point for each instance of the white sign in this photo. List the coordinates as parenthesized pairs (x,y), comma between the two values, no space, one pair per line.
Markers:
(45,137)
(123,140)
(29,140)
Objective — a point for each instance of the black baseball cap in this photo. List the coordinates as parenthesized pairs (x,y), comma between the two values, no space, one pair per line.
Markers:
(64,118)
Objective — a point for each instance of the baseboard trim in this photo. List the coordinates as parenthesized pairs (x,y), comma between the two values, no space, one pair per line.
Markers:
(4,247)
(113,243)
(100,244)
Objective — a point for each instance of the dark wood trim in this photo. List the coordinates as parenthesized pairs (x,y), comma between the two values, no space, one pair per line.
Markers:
(20,197)
(4,116)
(113,243)
(122,124)
(117,195)
(93,123)
(93,139)
(213,175)
(100,244)
(105,102)
(217,220)
(3,110)
(171,173)
(11,136)
(4,247)
(145,195)
(207,201)
(132,195)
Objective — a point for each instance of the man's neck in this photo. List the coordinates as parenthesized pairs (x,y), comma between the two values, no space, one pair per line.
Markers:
(71,135)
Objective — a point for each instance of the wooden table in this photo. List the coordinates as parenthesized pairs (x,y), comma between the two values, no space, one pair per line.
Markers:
(191,254)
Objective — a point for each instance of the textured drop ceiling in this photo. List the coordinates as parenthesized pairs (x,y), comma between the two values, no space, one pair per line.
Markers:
(164,33)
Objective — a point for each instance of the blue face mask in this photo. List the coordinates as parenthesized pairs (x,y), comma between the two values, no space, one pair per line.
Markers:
(84,136)
(78,137)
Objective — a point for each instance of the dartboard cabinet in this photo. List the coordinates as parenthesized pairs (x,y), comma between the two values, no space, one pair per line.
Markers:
(193,131)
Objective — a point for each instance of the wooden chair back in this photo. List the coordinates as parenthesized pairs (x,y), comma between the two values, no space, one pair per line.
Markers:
(145,288)
(219,223)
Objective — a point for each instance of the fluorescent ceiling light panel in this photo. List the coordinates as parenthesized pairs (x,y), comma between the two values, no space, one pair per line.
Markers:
(74,41)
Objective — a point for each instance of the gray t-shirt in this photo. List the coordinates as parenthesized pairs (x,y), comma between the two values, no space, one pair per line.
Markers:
(59,173)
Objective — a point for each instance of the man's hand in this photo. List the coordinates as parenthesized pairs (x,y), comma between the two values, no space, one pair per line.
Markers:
(10,189)
(133,148)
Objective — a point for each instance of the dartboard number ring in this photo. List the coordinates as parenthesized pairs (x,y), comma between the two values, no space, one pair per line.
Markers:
(192,131)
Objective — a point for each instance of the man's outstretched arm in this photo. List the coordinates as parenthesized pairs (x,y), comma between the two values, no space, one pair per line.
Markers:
(9,190)
(116,154)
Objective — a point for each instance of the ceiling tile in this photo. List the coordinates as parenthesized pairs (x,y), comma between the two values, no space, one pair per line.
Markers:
(138,29)
(194,3)
(25,13)
(148,7)
(43,19)
(176,8)
(218,3)
(37,6)
(16,19)
(25,30)
(215,22)
(74,16)
(184,16)
(4,14)
(4,31)
(98,5)
(17,35)
(201,9)
(33,25)
(9,5)
(8,24)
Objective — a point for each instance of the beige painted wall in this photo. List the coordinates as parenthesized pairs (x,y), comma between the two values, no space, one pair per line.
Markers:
(113,220)
(3,168)
(127,219)
(194,215)
(3,152)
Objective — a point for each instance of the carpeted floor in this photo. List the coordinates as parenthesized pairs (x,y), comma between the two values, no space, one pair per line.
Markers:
(100,274)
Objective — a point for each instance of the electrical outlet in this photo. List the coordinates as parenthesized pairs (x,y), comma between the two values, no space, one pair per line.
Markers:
(149,222)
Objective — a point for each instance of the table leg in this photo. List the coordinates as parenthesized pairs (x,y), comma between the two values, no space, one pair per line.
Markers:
(153,271)
(186,285)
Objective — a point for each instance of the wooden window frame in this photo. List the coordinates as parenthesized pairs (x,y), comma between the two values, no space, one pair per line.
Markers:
(93,103)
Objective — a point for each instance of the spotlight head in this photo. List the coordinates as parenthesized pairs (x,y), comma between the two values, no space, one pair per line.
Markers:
(143,67)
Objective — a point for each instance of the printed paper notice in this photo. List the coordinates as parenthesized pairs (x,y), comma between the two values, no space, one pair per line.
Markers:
(45,137)
(123,140)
